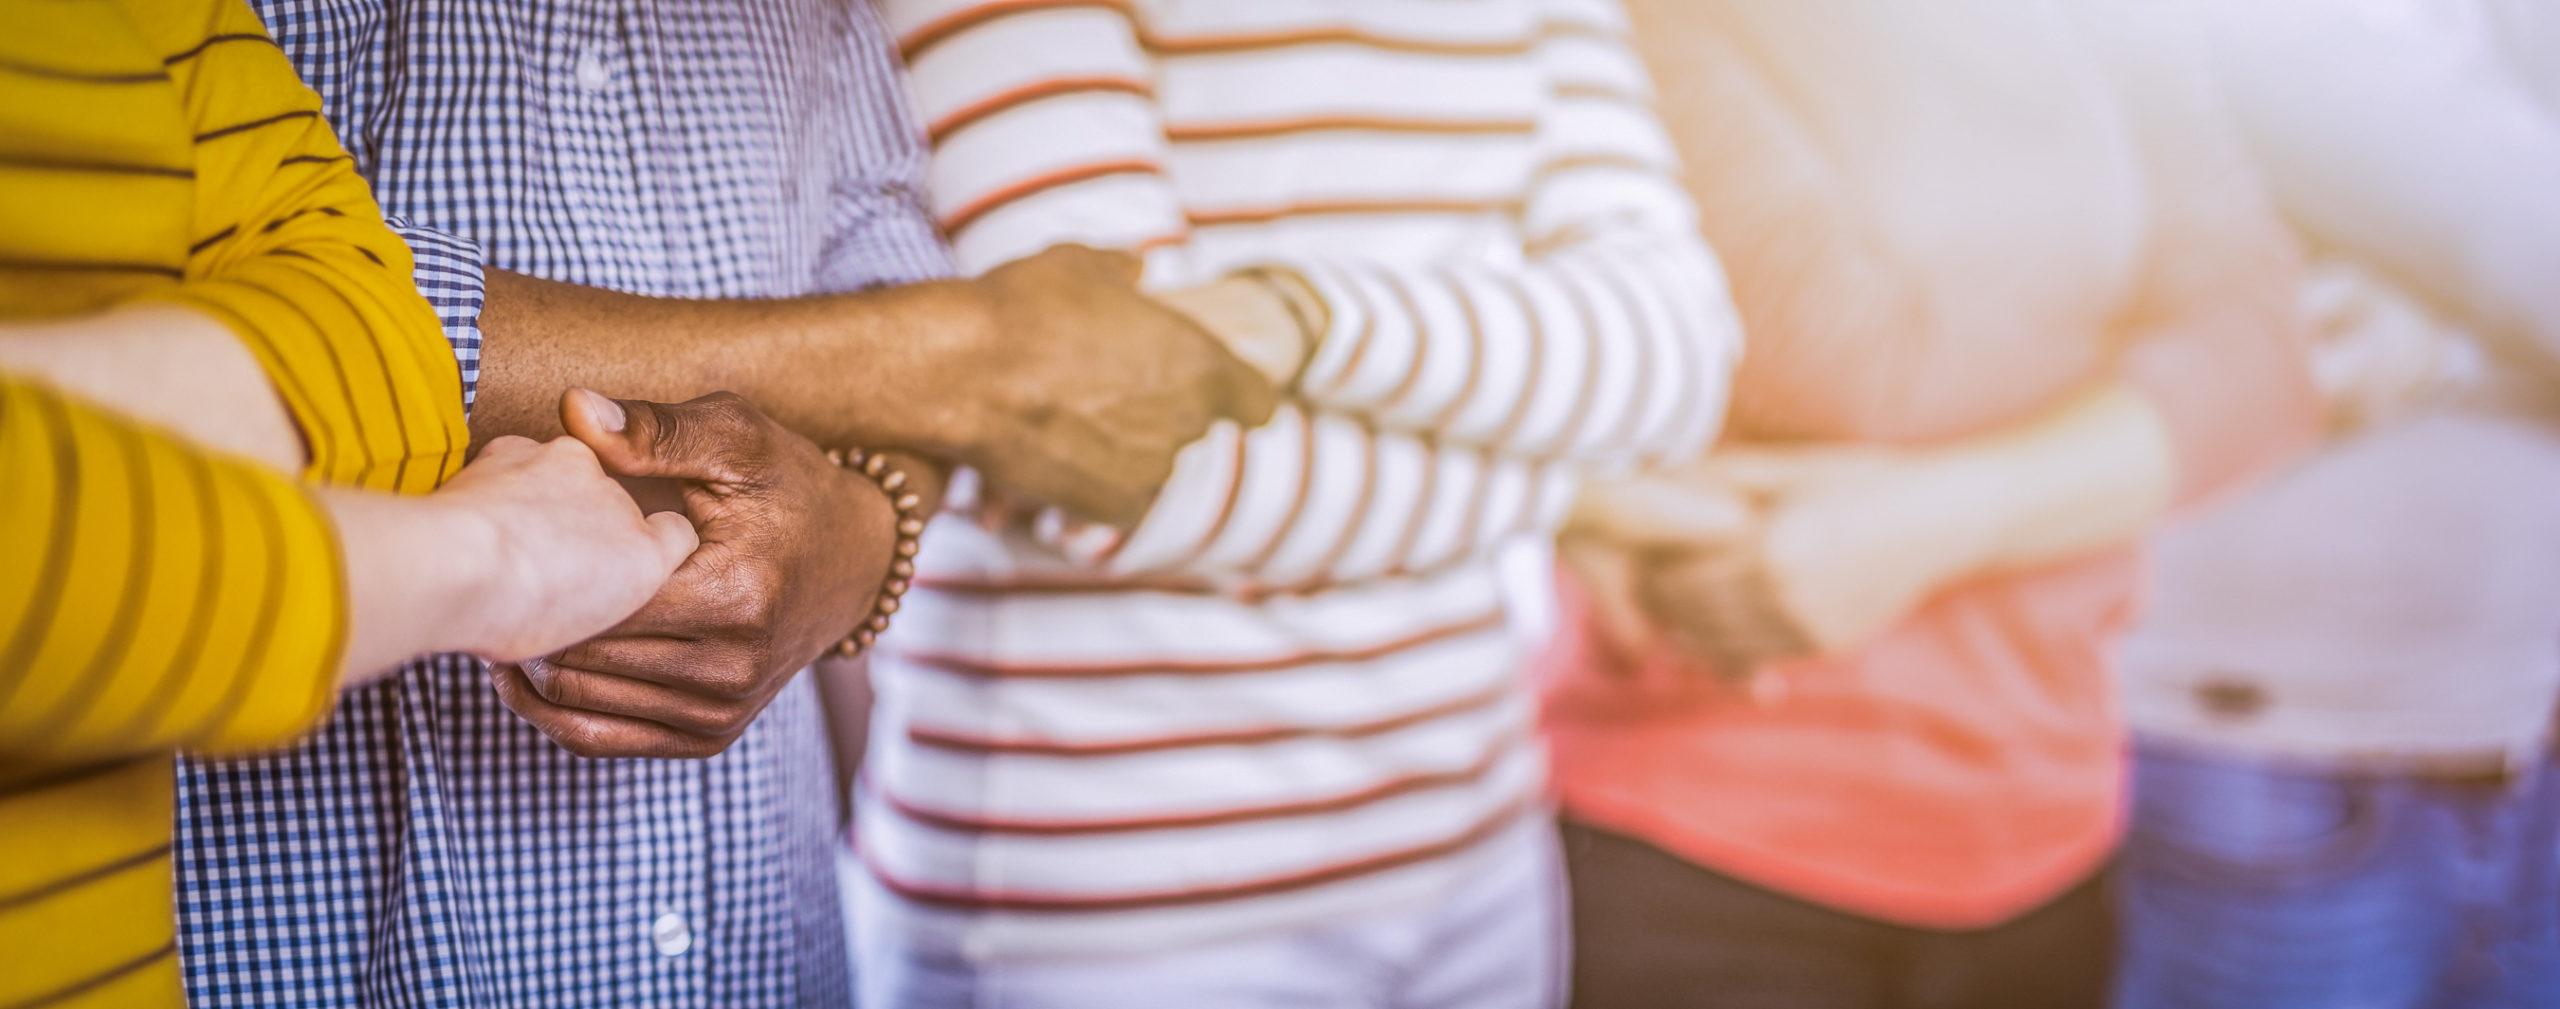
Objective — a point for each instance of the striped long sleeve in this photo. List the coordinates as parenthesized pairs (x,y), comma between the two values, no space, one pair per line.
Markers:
(168,597)
(1454,396)
(288,248)
(156,596)
(152,596)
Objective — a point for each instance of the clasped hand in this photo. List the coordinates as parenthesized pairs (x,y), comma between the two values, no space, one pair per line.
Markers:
(792,552)
(1759,555)
(1087,388)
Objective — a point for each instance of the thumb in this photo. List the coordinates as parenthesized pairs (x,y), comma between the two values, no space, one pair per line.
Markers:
(1124,266)
(673,536)
(694,440)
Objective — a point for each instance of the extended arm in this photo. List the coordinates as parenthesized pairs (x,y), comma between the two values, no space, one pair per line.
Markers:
(176,597)
(293,333)
(2210,388)
(1497,384)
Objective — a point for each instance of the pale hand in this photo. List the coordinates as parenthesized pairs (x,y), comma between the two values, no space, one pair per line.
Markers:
(1255,320)
(572,555)
(1845,543)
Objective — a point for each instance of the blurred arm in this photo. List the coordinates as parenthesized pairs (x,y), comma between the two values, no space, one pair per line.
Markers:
(2392,132)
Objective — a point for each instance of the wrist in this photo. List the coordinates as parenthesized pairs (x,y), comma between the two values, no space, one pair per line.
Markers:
(939,393)
(469,582)
(888,494)
(919,391)
(418,571)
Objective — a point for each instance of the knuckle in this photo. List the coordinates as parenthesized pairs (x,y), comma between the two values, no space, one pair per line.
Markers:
(581,737)
(732,721)
(746,676)
(733,678)
(561,687)
(507,445)
(568,451)
(728,412)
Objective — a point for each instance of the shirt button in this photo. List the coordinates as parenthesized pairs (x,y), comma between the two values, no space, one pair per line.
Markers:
(670,935)
(592,75)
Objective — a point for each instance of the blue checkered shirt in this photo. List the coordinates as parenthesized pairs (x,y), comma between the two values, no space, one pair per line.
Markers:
(428,848)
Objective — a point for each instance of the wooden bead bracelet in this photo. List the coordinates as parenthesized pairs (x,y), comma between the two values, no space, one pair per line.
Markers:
(905,504)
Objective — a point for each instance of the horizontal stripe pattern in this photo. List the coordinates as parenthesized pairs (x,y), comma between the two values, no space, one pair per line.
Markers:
(1296,673)
(155,597)
(165,599)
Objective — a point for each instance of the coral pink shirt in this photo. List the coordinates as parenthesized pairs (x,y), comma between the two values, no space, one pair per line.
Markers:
(1928,240)
(1961,769)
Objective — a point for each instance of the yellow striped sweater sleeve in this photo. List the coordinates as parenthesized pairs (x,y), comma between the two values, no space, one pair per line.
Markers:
(158,596)
(289,248)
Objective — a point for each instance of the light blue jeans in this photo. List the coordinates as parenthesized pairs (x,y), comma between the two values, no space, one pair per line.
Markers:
(2254,886)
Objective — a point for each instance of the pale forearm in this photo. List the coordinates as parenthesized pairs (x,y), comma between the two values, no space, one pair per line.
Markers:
(2092,474)
(169,365)
(853,369)
(412,565)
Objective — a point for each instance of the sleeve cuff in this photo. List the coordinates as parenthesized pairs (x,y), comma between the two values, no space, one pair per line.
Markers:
(450,274)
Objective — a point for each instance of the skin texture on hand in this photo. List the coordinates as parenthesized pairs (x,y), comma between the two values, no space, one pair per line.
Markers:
(1093,387)
(793,551)
(1835,544)
(1054,376)
(529,549)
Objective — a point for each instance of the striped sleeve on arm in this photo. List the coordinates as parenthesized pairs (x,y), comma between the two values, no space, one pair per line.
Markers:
(1321,498)
(1611,344)
(292,253)
(1044,126)
(168,597)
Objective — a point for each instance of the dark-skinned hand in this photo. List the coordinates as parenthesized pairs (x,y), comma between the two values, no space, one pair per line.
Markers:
(793,551)
(1088,387)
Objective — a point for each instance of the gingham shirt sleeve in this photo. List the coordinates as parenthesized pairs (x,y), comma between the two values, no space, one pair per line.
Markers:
(449,273)
(880,231)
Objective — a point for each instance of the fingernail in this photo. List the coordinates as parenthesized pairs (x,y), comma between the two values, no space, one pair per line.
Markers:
(608,413)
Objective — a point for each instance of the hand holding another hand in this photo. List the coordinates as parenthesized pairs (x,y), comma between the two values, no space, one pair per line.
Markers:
(1089,388)
(1759,555)
(793,551)
(529,549)
(1849,541)
(573,554)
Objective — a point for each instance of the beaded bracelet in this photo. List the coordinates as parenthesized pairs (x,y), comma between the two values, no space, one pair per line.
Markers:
(902,558)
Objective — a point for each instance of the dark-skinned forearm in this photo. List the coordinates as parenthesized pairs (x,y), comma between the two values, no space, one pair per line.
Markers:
(869,369)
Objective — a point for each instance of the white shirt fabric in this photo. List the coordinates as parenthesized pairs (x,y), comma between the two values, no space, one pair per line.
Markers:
(2395,599)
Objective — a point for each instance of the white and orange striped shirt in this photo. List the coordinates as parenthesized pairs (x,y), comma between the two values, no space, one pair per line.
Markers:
(1292,691)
